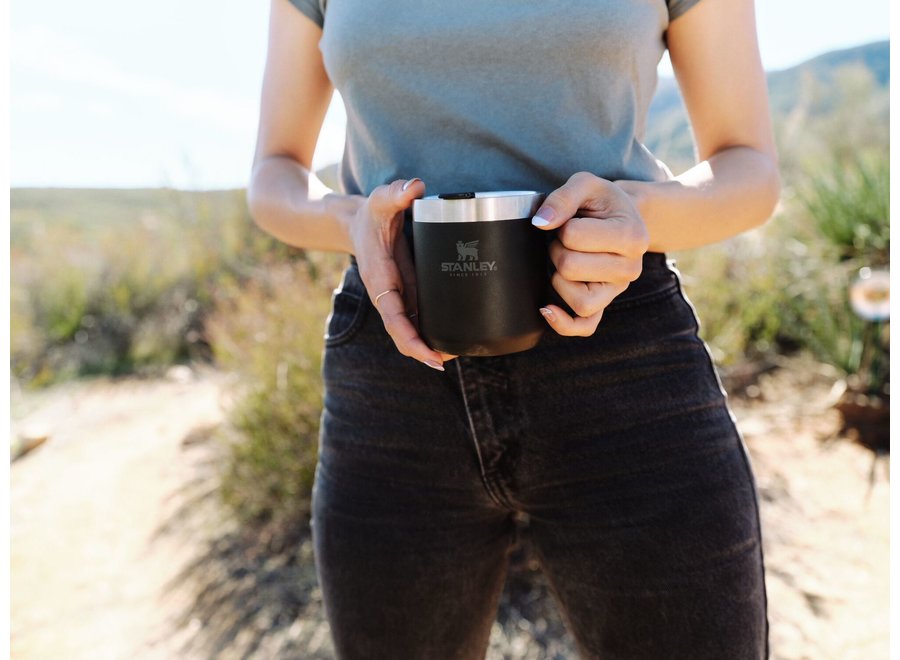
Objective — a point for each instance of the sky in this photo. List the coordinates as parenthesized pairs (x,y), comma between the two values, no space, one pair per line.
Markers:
(112,94)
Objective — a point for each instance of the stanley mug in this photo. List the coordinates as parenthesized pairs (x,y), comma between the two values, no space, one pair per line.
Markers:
(481,271)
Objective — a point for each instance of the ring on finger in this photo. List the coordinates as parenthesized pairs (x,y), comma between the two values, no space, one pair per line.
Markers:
(384,293)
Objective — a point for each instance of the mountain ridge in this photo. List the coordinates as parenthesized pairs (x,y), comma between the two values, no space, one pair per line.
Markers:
(668,131)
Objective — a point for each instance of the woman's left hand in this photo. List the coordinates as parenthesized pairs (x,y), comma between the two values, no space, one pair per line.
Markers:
(598,250)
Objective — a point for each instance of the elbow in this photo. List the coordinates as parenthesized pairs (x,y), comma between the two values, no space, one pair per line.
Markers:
(257,200)
(768,191)
(773,191)
(255,207)
(277,187)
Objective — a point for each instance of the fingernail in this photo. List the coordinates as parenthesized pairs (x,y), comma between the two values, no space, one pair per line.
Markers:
(548,314)
(543,217)
(409,183)
(435,365)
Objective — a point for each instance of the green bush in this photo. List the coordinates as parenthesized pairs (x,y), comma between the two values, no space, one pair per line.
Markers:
(850,207)
(126,292)
(847,207)
(268,333)
(738,289)
(784,286)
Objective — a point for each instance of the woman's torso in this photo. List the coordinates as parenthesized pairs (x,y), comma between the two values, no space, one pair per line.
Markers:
(499,96)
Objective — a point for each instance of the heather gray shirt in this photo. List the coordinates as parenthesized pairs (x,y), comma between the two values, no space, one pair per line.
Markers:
(473,95)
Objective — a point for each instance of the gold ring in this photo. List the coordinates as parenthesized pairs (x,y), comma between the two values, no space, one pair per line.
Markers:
(384,293)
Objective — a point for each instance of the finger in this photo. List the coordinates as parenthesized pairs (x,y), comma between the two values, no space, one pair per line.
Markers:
(578,266)
(616,235)
(564,324)
(583,190)
(387,202)
(403,259)
(586,298)
(385,286)
(386,206)
(382,272)
(411,312)
(405,264)
(402,331)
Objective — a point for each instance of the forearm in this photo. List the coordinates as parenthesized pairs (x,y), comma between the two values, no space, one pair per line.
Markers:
(289,202)
(734,190)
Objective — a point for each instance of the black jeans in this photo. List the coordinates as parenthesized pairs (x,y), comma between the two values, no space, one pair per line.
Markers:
(620,448)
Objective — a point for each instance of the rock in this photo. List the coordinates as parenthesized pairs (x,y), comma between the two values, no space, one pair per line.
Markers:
(27,441)
(180,374)
(866,419)
(199,434)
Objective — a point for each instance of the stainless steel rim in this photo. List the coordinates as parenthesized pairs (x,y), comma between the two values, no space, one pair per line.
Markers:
(484,207)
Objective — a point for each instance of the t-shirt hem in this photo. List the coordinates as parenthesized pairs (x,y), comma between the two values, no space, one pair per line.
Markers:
(677,8)
(310,9)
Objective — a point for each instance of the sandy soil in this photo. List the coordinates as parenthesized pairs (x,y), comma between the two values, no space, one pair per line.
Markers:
(120,550)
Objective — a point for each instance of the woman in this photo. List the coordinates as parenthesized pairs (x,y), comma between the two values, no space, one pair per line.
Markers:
(612,436)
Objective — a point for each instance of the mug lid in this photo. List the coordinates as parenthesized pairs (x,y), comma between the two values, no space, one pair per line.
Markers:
(477,206)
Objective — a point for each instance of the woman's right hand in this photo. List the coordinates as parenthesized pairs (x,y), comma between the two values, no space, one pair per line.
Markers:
(386,266)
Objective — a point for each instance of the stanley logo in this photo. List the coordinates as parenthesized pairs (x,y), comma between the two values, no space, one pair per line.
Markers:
(467,260)
(467,251)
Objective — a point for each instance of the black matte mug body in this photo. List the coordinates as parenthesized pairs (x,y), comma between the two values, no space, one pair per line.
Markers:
(480,285)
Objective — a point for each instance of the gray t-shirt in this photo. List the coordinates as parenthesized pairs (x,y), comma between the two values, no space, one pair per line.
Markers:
(469,95)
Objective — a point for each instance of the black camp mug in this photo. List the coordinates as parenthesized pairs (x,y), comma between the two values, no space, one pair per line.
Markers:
(481,271)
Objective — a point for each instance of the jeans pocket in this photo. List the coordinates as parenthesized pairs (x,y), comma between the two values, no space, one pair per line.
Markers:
(348,309)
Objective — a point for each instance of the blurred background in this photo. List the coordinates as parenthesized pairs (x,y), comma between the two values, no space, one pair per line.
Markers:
(165,353)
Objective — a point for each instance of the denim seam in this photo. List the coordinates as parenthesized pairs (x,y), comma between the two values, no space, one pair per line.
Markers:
(355,324)
(500,491)
(762,561)
(743,452)
(484,477)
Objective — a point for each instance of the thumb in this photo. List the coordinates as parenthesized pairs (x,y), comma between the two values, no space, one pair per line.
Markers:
(387,201)
(559,206)
(403,192)
(583,190)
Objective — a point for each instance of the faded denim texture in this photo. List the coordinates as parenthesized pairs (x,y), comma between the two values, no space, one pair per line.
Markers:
(619,448)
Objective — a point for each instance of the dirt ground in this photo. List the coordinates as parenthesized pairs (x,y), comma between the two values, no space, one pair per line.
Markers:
(118,548)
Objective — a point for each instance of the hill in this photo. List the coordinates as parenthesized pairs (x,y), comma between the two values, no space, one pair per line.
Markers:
(813,85)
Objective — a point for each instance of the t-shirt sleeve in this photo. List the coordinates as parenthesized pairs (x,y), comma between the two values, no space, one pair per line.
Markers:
(315,10)
(676,7)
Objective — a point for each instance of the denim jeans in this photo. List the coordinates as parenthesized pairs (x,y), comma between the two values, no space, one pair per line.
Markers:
(619,447)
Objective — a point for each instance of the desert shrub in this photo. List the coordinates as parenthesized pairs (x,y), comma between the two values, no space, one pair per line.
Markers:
(846,207)
(785,286)
(821,319)
(737,287)
(127,290)
(268,333)
(849,206)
